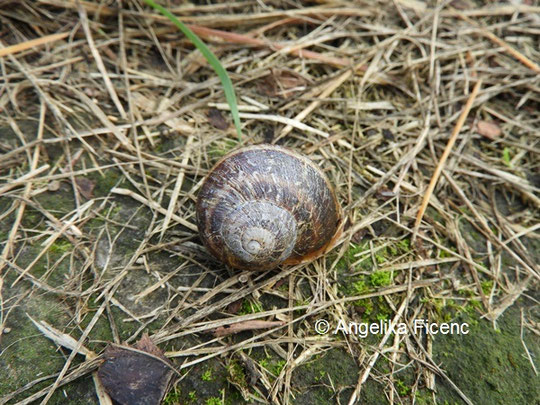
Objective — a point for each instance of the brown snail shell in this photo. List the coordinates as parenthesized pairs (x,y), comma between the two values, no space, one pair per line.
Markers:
(265,205)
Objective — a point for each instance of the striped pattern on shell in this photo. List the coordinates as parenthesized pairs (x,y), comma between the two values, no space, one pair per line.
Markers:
(265,205)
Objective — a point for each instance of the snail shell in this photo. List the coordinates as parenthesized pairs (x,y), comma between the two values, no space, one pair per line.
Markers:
(262,206)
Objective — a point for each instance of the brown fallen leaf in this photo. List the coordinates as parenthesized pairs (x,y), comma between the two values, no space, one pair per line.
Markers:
(420,248)
(359,235)
(217,120)
(235,306)
(86,187)
(279,283)
(282,83)
(141,375)
(246,325)
(488,129)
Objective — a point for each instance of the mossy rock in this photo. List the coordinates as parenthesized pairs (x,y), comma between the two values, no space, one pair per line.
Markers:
(490,366)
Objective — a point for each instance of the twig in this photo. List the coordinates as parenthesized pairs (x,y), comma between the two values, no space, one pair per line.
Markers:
(442,160)
(243,326)
(32,44)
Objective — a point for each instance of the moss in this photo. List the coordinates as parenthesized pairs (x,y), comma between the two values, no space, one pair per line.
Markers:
(383,310)
(173,397)
(424,397)
(349,257)
(466,292)
(93,224)
(475,235)
(113,211)
(321,376)
(404,245)
(51,259)
(487,286)
(236,374)
(402,388)
(214,401)
(380,278)
(493,359)
(369,308)
(381,255)
(104,183)
(319,381)
(360,287)
(59,202)
(272,365)
(207,375)
(445,310)
(264,362)
(61,246)
(26,353)
(31,218)
(400,247)
(250,307)
(284,288)
(472,305)
(443,254)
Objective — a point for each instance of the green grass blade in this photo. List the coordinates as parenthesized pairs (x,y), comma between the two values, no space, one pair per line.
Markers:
(210,57)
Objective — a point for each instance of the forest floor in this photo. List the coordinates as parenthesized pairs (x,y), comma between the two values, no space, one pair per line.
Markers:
(426,119)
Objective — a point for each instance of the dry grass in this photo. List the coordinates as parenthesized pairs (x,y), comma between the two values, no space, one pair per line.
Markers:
(370,93)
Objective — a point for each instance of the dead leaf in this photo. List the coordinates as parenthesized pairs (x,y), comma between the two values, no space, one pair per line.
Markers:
(145,344)
(488,129)
(235,306)
(134,377)
(217,120)
(279,283)
(420,248)
(282,83)
(246,325)
(86,187)
(359,235)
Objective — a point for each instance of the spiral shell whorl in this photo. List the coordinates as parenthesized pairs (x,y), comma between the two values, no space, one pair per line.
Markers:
(260,232)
